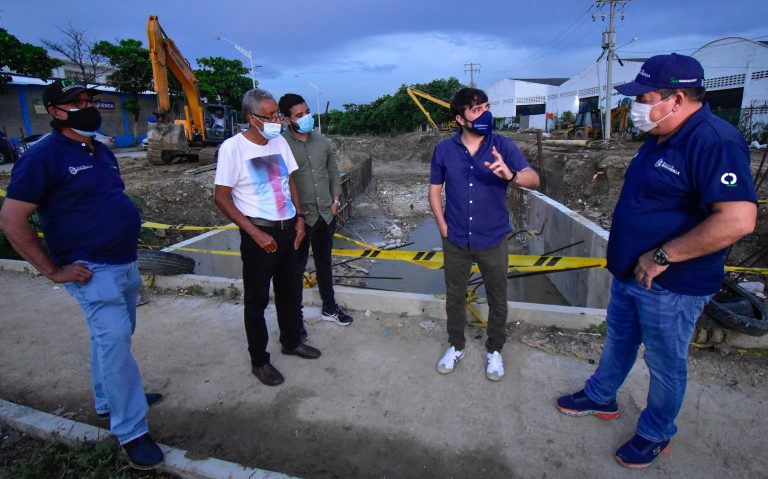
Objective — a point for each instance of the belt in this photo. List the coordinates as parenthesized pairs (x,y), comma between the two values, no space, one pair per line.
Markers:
(282,224)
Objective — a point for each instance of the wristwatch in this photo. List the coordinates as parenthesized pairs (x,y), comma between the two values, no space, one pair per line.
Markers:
(337,203)
(514,177)
(302,215)
(660,257)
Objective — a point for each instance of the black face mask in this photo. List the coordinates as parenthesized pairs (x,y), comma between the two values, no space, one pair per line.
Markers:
(85,120)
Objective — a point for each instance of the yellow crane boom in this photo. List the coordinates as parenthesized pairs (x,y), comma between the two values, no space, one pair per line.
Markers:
(412,92)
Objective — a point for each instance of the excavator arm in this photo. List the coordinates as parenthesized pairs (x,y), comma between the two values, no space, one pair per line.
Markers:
(164,56)
(413,93)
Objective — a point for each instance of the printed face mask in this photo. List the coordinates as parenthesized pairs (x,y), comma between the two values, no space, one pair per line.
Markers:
(305,124)
(482,125)
(641,115)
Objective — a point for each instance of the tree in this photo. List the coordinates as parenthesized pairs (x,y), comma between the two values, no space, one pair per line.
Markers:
(76,48)
(224,79)
(23,58)
(132,71)
(396,113)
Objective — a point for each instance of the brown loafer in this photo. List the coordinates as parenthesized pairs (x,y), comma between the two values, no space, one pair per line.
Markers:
(268,375)
(303,351)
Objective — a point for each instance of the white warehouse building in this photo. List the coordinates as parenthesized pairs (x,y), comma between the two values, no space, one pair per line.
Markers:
(735,72)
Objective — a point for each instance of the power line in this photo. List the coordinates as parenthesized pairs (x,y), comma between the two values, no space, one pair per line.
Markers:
(699,47)
(550,46)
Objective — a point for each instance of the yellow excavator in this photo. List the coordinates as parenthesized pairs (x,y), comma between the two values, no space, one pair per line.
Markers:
(203,126)
(413,93)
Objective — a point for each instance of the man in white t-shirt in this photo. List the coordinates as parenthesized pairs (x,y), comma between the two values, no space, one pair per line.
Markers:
(254,189)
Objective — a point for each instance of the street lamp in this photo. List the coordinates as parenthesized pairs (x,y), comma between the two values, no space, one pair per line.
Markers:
(317,95)
(247,54)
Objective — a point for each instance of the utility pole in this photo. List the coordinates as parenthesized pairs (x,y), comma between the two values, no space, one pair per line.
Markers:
(608,45)
(470,67)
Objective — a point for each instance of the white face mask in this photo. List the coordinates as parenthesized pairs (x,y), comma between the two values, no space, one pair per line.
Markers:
(271,130)
(641,115)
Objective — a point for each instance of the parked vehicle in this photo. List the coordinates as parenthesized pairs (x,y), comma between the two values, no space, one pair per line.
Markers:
(8,154)
(32,140)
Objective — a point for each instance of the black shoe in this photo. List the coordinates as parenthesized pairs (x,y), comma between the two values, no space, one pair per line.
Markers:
(152,399)
(336,315)
(268,375)
(303,351)
(143,453)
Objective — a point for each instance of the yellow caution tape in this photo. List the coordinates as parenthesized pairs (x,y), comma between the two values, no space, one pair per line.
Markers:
(517,262)
(181,227)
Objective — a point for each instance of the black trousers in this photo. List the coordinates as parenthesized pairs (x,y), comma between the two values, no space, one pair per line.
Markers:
(259,268)
(320,237)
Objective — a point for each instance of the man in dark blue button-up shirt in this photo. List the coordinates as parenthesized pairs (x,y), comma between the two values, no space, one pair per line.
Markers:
(475,166)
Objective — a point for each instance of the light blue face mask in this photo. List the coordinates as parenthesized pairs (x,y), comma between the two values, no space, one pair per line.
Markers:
(305,124)
(271,130)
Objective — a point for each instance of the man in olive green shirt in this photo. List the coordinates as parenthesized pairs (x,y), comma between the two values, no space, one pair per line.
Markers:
(319,185)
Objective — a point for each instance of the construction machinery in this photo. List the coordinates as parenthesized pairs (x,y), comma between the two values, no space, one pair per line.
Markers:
(413,93)
(588,126)
(202,127)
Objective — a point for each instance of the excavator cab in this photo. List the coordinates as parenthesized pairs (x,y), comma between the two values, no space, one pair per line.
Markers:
(220,123)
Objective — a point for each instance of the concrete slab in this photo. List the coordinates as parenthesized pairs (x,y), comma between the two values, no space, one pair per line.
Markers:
(371,406)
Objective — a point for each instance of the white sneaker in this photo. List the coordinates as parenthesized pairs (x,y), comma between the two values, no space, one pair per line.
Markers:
(449,360)
(494,369)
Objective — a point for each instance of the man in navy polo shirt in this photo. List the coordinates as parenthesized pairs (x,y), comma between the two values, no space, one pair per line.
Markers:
(476,167)
(687,196)
(91,230)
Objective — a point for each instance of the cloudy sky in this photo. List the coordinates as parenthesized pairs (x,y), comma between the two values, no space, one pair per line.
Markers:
(355,51)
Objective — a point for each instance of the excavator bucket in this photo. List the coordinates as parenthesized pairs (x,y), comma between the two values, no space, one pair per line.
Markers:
(165,141)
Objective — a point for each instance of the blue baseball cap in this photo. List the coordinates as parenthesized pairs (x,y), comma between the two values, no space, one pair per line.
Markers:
(665,71)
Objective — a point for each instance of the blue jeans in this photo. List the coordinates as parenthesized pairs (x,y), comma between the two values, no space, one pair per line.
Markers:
(663,321)
(108,302)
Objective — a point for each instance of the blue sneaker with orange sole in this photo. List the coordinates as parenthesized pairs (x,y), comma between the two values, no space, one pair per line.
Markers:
(578,404)
(640,452)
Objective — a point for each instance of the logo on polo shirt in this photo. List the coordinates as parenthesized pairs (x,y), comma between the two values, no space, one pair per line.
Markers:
(77,169)
(729,180)
(660,163)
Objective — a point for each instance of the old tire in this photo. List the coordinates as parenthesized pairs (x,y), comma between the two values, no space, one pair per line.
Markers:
(160,262)
(738,309)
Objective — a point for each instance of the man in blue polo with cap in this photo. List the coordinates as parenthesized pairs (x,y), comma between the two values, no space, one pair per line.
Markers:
(687,196)
(91,230)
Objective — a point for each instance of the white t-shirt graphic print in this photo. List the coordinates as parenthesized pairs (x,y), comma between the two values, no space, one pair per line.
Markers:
(258,176)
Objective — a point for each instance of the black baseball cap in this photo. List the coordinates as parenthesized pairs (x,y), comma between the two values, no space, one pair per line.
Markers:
(64,91)
(665,72)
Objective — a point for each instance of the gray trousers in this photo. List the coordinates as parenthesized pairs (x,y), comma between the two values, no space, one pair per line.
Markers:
(493,268)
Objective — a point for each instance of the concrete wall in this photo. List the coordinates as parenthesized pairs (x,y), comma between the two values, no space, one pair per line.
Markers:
(558,226)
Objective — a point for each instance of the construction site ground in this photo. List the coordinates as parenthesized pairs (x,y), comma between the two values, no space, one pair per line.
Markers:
(373,405)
